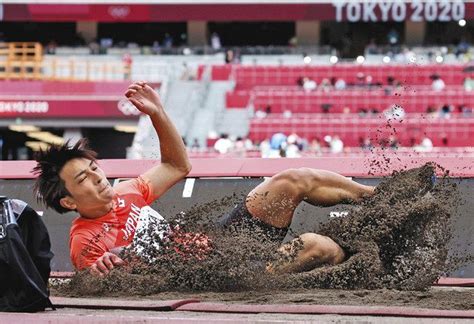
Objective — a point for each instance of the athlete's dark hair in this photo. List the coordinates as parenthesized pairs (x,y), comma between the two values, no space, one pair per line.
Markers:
(49,187)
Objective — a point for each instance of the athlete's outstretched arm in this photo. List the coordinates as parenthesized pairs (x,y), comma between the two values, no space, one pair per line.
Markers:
(175,164)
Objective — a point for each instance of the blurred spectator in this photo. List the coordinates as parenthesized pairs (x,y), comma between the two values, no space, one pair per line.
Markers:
(94,48)
(393,37)
(369,80)
(366,144)
(282,152)
(302,144)
(215,42)
(120,44)
(426,145)
(230,57)
(106,43)
(445,111)
(127,65)
(325,85)
(239,147)
(335,143)
(395,112)
(362,112)
(132,45)
(51,47)
(465,110)
(326,107)
(315,147)
(408,55)
(431,111)
(398,85)
(183,38)
(293,41)
(468,83)
(371,47)
(195,146)
(390,80)
(393,142)
(260,114)
(168,41)
(462,47)
(265,148)
(360,82)
(444,139)
(277,140)
(309,84)
(268,109)
(438,83)
(188,74)
(300,82)
(212,138)
(346,110)
(287,113)
(400,57)
(248,144)
(340,84)
(223,144)
(390,85)
(277,145)
(156,48)
(292,148)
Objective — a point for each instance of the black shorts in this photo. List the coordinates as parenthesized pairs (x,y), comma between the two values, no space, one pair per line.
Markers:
(240,218)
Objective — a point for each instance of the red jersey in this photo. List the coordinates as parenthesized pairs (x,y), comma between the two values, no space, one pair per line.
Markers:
(90,238)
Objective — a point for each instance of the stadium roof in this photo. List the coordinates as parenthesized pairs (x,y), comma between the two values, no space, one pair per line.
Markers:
(174,2)
(166,1)
(235,10)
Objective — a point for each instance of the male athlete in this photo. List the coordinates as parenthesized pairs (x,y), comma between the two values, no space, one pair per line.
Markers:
(69,179)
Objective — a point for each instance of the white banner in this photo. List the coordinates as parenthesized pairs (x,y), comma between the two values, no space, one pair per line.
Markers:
(416,10)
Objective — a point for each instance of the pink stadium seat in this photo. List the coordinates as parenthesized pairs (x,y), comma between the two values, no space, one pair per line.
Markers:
(458,131)
(298,101)
(287,96)
(248,76)
(221,72)
(260,86)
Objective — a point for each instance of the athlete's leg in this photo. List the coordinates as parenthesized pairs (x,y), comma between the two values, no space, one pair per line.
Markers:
(307,252)
(275,200)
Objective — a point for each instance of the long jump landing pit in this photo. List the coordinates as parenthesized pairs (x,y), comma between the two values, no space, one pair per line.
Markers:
(450,301)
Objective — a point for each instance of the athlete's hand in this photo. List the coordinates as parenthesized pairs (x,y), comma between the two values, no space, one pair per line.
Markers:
(144,98)
(105,263)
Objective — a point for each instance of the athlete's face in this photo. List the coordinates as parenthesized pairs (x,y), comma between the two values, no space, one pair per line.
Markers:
(87,184)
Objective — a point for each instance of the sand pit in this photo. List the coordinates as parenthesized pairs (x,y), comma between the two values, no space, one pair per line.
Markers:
(396,241)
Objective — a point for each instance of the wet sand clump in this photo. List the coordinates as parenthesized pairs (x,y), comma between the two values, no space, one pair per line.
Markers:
(394,239)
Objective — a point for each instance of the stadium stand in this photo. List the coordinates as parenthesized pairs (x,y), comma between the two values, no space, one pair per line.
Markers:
(259,95)
(366,108)
(456,132)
